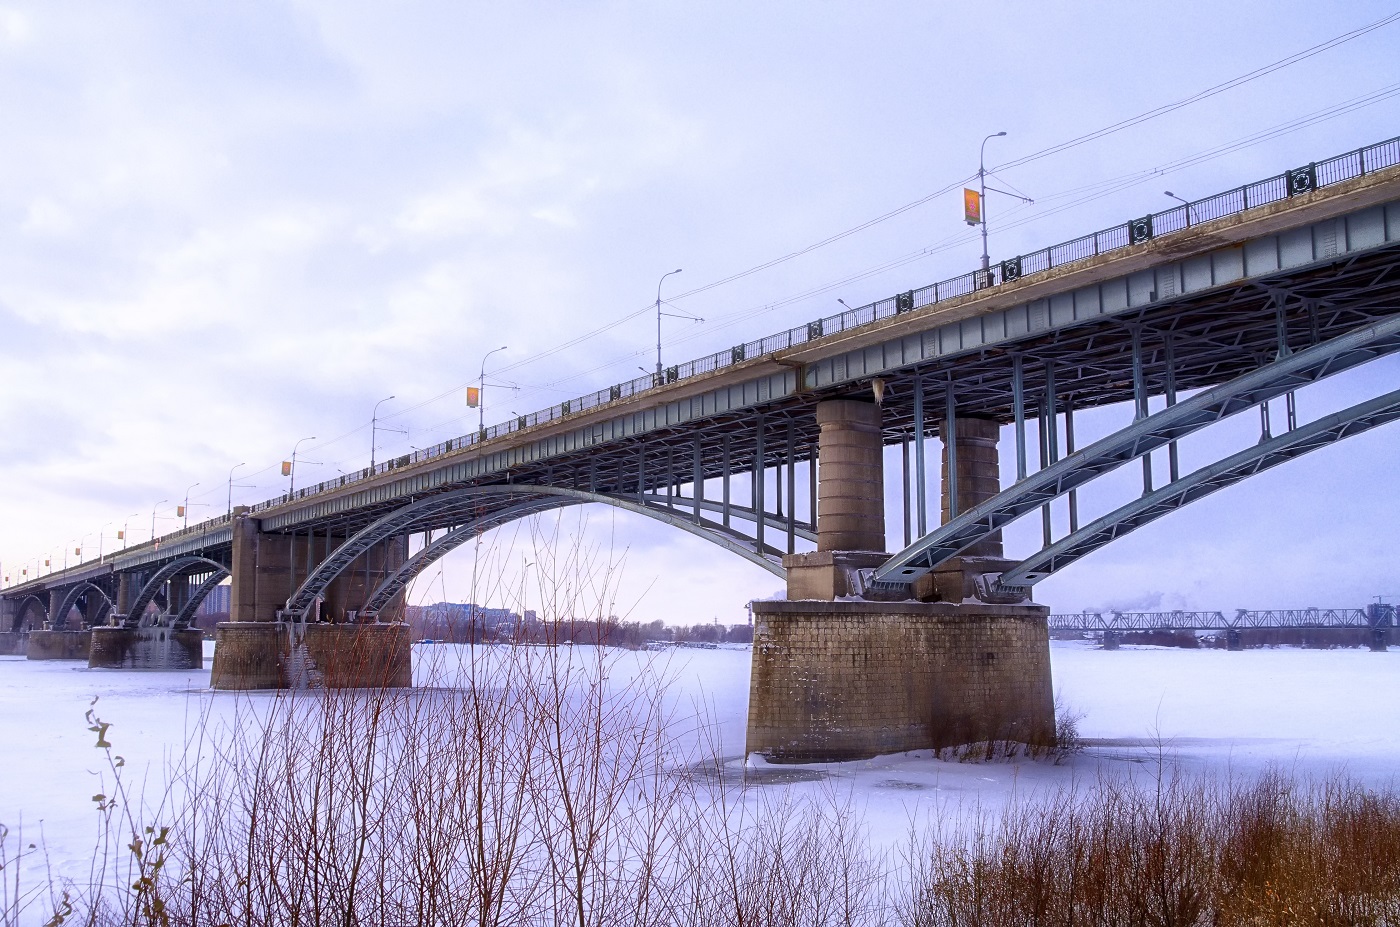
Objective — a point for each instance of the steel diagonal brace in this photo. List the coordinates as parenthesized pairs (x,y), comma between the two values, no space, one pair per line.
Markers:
(1143,436)
(1321,433)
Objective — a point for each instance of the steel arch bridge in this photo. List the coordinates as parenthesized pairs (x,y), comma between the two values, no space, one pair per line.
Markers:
(1236,304)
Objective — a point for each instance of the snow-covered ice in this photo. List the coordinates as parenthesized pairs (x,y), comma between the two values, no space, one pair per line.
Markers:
(1216,712)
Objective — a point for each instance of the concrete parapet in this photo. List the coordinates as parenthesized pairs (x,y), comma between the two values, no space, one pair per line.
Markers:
(146,649)
(260,655)
(849,680)
(58,645)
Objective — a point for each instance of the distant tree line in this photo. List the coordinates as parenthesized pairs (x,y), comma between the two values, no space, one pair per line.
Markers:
(467,623)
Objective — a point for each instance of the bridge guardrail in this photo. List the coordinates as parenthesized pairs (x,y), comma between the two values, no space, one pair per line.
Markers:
(1273,189)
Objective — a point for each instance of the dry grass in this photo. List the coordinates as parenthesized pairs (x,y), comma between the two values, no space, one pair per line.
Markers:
(1177,852)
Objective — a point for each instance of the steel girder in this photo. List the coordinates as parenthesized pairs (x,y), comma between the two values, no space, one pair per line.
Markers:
(423,511)
(76,592)
(134,617)
(1148,508)
(1143,436)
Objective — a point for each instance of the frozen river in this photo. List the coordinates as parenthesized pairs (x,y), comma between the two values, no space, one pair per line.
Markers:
(1207,711)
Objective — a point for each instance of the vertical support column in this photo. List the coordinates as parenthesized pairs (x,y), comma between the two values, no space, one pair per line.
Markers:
(724,486)
(262,572)
(851,490)
(123,603)
(904,482)
(1018,406)
(57,622)
(975,456)
(850,503)
(920,471)
(758,485)
(697,482)
(1173,458)
(791,487)
(1140,409)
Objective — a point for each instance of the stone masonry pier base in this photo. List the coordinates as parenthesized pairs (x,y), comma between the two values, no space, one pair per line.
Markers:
(146,649)
(850,680)
(260,655)
(58,645)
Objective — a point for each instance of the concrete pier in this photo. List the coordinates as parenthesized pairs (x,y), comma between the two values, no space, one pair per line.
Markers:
(256,650)
(268,655)
(146,649)
(840,680)
(58,645)
(850,680)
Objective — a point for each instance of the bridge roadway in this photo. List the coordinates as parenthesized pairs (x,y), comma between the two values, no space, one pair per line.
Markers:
(1249,295)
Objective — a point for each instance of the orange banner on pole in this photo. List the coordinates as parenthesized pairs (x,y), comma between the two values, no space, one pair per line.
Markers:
(286,468)
(972,206)
(473,397)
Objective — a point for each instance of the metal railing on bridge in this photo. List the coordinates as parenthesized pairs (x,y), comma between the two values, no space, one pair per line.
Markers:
(1273,189)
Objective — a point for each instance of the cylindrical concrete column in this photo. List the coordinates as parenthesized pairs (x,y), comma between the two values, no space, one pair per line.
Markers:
(979,475)
(851,477)
(124,594)
(57,622)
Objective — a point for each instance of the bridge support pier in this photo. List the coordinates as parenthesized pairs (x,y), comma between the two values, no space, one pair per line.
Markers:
(146,649)
(1380,638)
(58,645)
(850,680)
(256,650)
(840,680)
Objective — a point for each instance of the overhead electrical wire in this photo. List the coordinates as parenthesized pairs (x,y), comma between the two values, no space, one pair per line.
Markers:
(1076,197)
(1077,141)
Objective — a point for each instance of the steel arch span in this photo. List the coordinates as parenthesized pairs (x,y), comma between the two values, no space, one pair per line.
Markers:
(71,597)
(526,500)
(23,607)
(136,614)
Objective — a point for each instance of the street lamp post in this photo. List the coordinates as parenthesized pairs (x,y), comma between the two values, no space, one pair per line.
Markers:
(292,470)
(126,528)
(1182,202)
(658,320)
(102,536)
(982,192)
(481,391)
(230,486)
(187,504)
(153,516)
(374,427)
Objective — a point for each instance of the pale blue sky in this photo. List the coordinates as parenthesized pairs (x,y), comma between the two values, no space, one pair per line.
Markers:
(227,227)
